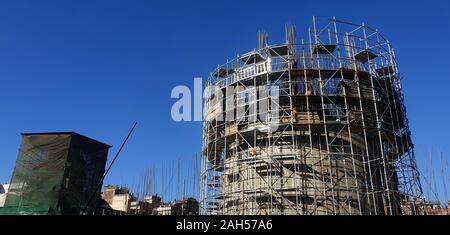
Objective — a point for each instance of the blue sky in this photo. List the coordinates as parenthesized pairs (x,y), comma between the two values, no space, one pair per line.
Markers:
(95,67)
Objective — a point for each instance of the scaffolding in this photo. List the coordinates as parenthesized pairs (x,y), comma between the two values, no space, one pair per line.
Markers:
(339,142)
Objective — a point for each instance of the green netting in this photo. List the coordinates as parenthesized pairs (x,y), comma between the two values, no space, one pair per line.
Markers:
(55,174)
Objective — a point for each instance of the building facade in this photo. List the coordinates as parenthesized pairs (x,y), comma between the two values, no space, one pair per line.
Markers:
(3,192)
(118,198)
(316,126)
(56,173)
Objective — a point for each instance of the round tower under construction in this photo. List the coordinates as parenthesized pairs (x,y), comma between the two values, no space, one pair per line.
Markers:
(316,126)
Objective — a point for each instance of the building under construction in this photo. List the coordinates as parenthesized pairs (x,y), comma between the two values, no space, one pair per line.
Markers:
(332,137)
(56,173)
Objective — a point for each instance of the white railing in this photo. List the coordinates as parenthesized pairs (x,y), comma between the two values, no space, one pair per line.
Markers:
(246,72)
(323,62)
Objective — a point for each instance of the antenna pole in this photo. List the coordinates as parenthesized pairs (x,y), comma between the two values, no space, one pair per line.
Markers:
(109,167)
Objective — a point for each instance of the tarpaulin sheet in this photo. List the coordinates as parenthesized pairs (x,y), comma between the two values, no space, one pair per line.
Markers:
(55,174)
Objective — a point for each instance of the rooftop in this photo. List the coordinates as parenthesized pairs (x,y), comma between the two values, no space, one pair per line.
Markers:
(69,133)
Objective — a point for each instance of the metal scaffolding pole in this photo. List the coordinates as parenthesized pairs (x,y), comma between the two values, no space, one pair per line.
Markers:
(340,143)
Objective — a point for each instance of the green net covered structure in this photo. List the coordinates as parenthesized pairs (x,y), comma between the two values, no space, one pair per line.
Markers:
(56,173)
